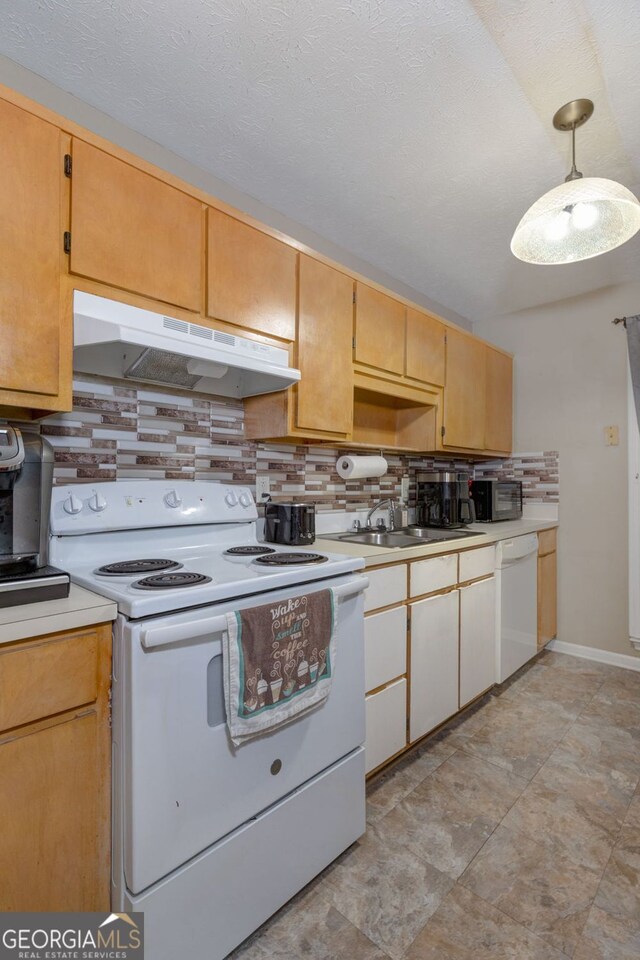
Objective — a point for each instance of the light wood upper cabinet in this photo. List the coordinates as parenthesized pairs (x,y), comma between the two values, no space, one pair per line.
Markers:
(379,330)
(465,390)
(133,231)
(321,405)
(425,347)
(251,277)
(35,370)
(499,401)
(325,393)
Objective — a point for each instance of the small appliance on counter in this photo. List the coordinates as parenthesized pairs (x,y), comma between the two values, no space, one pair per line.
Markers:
(26,476)
(443,500)
(497,500)
(291,523)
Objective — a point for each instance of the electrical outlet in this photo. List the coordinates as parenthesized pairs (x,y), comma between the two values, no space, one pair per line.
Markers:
(404,488)
(262,488)
(611,436)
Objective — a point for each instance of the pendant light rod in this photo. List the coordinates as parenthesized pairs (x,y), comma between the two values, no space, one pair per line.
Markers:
(574,173)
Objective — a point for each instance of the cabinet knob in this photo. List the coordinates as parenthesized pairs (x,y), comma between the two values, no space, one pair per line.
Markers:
(72,504)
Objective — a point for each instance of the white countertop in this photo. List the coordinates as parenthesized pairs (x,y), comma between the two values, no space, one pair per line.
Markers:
(81,608)
(489,533)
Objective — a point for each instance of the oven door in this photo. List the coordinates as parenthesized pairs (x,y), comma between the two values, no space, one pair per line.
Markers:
(179,784)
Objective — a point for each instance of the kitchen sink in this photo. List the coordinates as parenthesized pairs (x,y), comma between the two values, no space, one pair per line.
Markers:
(405,537)
(379,538)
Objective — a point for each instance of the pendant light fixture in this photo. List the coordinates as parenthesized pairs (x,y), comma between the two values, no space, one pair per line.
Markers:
(583,217)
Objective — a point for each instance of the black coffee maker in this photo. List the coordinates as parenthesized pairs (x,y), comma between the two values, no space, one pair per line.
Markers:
(444,500)
(26,476)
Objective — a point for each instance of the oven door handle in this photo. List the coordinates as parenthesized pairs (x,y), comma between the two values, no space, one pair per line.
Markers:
(163,636)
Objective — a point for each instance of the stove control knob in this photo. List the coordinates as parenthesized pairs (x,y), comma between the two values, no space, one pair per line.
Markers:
(97,503)
(231,499)
(72,504)
(173,499)
(245,499)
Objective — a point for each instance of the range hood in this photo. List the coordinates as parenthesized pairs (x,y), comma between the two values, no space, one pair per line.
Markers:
(116,340)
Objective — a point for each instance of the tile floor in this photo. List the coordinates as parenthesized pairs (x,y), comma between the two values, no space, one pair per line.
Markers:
(512,834)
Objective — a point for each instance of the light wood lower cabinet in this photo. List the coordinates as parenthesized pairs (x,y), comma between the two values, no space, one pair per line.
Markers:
(434,663)
(55,754)
(477,639)
(547,587)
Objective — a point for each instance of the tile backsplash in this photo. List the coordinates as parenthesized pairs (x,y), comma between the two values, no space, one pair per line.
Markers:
(122,430)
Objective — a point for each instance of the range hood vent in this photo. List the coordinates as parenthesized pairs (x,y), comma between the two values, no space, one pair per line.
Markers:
(116,340)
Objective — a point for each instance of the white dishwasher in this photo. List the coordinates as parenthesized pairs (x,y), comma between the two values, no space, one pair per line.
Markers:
(516,603)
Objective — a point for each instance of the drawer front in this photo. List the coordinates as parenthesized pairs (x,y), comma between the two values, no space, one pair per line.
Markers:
(477,563)
(385,646)
(39,680)
(386,723)
(433,574)
(386,586)
(547,542)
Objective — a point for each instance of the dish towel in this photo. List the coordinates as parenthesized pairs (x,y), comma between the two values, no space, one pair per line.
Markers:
(278,662)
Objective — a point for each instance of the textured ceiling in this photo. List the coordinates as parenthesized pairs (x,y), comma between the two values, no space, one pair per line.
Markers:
(413,133)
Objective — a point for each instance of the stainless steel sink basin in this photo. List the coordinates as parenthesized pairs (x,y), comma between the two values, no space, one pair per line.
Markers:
(380,539)
(405,537)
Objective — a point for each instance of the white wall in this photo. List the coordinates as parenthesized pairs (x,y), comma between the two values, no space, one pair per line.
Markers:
(570,382)
(42,91)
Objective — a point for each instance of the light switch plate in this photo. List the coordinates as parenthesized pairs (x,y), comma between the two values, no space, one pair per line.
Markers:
(612,436)
(262,488)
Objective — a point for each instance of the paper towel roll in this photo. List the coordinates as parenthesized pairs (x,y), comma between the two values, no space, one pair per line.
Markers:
(356,468)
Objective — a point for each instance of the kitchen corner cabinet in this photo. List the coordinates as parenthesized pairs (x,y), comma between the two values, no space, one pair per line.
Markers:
(133,231)
(251,277)
(55,753)
(547,587)
(321,405)
(35,361)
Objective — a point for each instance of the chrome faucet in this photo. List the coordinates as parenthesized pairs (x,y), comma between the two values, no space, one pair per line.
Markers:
(376,506)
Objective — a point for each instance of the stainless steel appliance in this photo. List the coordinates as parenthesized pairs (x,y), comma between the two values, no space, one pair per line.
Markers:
(443,499)
(26,475)
(208,839)
(497,500)
(290,523)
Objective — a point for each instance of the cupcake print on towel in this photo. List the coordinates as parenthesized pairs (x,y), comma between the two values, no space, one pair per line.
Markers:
(279,660)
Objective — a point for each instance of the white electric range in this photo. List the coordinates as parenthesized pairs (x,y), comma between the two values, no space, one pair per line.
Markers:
(209,840)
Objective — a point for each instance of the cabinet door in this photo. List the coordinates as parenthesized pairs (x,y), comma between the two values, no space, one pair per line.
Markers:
(31,239)
(425,347)
(547,598)
(133,231)
(478,639)
(499,401)
(325,393)
(380,330)
(251,277)
(386,723)
(464,391)
(52,786)
(385,647)
(434,662)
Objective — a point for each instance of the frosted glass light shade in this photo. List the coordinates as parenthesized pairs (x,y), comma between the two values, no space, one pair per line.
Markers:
(577,220)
